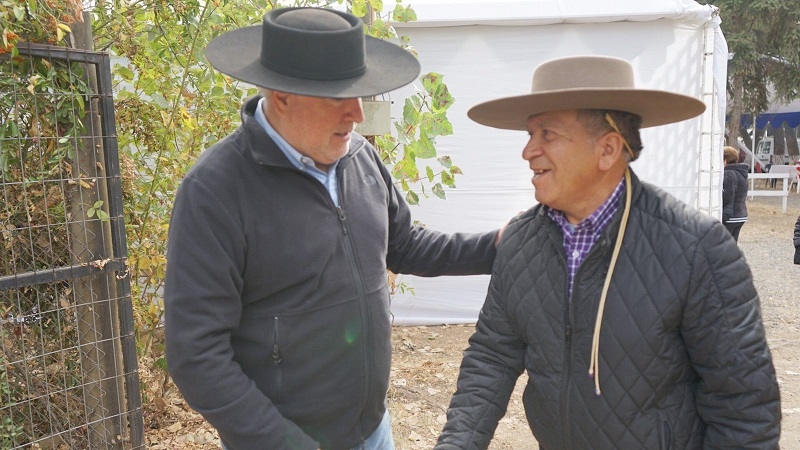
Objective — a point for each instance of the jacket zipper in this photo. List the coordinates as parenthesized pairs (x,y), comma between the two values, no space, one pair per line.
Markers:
(567,374)
(361,290)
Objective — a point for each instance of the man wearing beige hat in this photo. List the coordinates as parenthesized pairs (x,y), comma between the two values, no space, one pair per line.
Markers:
(634,316)
(277,306)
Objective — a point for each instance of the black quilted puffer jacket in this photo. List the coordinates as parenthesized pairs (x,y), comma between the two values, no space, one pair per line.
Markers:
(684,363)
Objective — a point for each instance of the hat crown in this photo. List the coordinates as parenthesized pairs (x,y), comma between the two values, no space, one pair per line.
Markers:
(313,44)
(312,20)
(583,72)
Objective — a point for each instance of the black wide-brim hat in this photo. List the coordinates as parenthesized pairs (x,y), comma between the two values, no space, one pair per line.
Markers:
(315,52)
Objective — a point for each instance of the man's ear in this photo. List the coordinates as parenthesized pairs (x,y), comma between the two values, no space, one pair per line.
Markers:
(279,100)
(610,148)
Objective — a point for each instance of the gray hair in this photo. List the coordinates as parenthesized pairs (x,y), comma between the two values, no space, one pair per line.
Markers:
(595,122)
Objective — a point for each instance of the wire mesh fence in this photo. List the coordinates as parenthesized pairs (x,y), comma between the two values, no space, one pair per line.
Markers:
(68,371)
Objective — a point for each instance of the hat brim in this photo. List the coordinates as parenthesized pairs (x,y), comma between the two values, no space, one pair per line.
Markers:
(237,54)
(654,107)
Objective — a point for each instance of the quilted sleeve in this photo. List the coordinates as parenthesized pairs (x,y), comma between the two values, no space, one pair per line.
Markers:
(797,241)
(797,233)
(738,396)
(489,371)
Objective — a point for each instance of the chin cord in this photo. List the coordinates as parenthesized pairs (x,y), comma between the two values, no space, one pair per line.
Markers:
(594,364)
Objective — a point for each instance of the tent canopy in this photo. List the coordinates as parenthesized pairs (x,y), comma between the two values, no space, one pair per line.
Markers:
(438,13)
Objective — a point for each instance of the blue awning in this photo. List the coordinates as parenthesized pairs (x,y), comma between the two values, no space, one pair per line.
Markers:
(792,120)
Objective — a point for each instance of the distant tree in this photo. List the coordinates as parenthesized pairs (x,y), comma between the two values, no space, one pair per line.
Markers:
(764,43)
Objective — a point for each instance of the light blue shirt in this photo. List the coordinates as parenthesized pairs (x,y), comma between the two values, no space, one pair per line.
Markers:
(302,162)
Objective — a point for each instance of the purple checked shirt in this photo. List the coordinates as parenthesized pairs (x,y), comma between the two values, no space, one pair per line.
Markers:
(579,239)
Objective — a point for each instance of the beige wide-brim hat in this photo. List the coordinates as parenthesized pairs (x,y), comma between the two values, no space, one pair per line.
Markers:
(586,82)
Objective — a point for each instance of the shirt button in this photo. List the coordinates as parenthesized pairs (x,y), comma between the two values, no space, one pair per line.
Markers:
(575,254)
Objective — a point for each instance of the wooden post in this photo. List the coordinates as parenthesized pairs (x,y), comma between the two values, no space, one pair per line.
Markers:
(96,297)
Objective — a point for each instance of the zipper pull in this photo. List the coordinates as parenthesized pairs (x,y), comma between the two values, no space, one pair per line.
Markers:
(276,354)
(342,219)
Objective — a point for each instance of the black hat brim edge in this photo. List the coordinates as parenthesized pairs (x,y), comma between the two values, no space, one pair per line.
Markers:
(653,106)
(237,53)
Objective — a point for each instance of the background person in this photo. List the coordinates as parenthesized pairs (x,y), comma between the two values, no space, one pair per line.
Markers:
(634,315)
(734,192)
(797,241)
(277,306)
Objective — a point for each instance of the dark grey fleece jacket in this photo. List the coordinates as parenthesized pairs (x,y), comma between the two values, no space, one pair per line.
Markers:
(277,306)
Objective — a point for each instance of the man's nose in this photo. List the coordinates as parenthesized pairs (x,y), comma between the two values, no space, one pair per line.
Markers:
(530,150)
(354,112)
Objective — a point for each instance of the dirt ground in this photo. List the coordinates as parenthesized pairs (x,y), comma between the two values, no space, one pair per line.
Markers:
(426,358)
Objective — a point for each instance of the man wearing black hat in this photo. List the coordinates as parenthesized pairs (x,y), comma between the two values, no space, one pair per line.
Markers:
(635,316)
(277,306)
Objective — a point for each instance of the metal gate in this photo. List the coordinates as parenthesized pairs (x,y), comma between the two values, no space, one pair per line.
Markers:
(68,367)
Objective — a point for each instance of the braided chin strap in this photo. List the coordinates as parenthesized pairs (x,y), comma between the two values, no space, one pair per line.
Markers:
(594,363)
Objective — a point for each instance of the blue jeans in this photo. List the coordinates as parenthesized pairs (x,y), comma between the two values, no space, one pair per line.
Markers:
(380,439)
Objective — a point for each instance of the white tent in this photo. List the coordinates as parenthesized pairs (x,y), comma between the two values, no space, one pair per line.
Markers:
(488,49)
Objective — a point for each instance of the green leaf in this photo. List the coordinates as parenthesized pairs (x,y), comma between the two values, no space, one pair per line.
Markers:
(442,98)
(438,191)
(13,129)
(19,13)
(431,81)
(411,114)
(403,14)
(398,171)
(424,148)
(358,8)
(407,167)
(429,173)
(124,72)
(448,179)
(159,100)
(445,161)
(438,125)
(377,5)
(161,363)
(412,198)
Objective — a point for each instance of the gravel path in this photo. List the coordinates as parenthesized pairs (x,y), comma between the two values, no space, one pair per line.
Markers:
(766,240)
